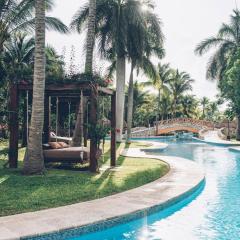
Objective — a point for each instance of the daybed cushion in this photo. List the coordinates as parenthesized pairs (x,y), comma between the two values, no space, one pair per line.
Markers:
(63,144)
(71,154)
(55,145)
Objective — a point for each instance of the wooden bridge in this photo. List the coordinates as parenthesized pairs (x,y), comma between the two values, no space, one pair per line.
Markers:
(182,124)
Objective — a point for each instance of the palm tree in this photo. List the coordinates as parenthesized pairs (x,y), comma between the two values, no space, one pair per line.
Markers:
(148,69)
(54,65)
(78,133)
(179,83)
(90,36)
(18,56)
(33,162)
(139,97)
(189,105)
(160,83)
(140,47)
(112,21)
(204,102)
(18,16)
(18,59)
(212,110)
(226,43)
(166,105)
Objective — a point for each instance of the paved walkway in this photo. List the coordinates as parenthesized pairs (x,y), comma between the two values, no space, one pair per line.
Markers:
(236,149)
(212,137)
(183,177)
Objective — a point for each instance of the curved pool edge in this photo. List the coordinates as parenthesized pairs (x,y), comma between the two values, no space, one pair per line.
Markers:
(216,142)
(234,149)
(183,179)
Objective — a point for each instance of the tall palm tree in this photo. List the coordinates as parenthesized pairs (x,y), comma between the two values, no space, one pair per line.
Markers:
(179,83)
(226,43)
(112,19)
(33,162)
(78,133)
(90,36)
(204,102)
(160,83)
(140,47)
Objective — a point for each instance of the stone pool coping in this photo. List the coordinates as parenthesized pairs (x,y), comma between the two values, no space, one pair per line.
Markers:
(235,149)
(218,142)
(184,176)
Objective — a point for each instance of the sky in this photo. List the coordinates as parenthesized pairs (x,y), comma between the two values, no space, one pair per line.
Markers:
(185,23)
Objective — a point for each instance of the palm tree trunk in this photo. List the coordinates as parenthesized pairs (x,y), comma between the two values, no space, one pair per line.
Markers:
(34,162)
(90,36)
(238,128)
(203,113)
(175,108)
(130,106)
(120,96)
(78,131)
(89,69)
(159,102)
(24,125)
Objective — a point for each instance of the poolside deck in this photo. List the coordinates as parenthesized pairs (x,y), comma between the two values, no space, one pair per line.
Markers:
(212,137)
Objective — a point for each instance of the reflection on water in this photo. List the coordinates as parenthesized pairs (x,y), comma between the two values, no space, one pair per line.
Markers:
(213,215)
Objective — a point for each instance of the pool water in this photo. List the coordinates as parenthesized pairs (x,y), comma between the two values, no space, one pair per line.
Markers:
(210,214)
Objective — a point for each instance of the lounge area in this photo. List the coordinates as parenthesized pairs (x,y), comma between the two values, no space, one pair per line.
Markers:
(58,148)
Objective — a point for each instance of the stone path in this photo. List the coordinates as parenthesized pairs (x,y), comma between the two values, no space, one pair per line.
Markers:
(183,176)
(212,137)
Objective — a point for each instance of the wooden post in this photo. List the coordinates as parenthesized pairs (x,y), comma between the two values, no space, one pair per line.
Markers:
(85,128)
(93,121)
(13,126)
(156,128)
(113,130)
(24,123)
(46,126)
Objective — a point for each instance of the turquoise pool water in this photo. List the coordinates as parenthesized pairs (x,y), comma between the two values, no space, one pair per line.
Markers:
(214,214)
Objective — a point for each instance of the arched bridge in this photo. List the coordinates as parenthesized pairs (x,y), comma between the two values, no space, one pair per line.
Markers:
(182,124)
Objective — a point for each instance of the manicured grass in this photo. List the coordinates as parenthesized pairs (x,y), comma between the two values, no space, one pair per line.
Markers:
(60,187)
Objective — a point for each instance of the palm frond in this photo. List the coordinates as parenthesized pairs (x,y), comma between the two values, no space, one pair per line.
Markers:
(208,43)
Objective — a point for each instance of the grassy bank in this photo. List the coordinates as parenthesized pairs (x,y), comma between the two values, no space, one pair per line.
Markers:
(61,187)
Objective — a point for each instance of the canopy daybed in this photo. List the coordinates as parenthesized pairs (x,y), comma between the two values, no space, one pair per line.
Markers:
(71,92)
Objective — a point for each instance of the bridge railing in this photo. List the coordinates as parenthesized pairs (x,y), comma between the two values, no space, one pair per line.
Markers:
(193,122)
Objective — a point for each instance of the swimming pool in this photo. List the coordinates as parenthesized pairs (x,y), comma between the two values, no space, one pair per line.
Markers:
(212,215)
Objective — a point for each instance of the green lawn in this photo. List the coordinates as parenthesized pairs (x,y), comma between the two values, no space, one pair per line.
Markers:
(61,187)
